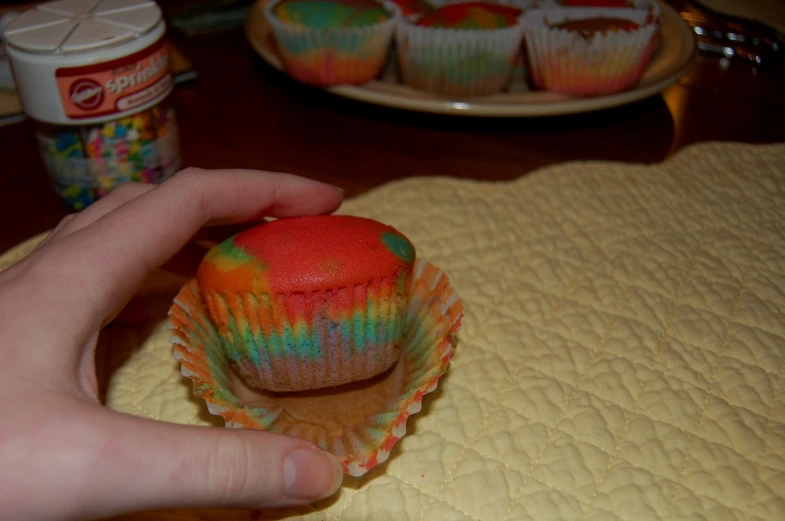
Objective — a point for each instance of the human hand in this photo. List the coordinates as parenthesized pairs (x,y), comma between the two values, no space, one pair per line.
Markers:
(63,455)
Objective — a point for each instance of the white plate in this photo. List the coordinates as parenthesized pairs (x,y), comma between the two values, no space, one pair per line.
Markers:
(671,60)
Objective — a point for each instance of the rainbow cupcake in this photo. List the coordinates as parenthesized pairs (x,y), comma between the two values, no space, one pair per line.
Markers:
(466,49)
(359,423)
(589,51)
(332,42)
(309,303)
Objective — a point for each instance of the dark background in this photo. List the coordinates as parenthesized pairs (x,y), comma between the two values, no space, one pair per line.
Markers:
(240,112)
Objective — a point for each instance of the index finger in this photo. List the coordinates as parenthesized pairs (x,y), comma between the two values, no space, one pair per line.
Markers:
(109,258)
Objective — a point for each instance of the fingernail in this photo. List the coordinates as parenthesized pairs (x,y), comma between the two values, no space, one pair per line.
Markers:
(339,189)
(311,474)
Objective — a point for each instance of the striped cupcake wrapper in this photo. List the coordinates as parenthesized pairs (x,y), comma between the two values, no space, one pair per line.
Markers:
(359,424)
(334,56)
(312,340)
(566,62)
(457,62)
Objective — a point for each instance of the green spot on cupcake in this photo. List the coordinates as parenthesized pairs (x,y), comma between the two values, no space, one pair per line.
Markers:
(331,266)
(399,246)
(227,256)
(330,14)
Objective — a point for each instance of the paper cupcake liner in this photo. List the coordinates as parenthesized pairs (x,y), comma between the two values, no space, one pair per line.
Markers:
(457,62)
(566,62)
(325,57)
(308,341)
(358,423)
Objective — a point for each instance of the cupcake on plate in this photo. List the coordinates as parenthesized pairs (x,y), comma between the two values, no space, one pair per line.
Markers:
(332,42)
(589,51)
(311,302)
(464,49)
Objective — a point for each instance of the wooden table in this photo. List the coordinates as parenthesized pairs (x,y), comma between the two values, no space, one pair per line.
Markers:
(242,113)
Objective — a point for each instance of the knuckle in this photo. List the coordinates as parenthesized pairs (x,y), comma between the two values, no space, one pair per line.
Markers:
(124,188)
(65,220)
(188,173)
(190,184)
(127,191)
(233,472)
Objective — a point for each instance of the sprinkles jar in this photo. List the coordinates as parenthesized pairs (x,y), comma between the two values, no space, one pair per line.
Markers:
(94,77)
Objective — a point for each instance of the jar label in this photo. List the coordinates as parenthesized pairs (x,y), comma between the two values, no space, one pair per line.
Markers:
(116,86)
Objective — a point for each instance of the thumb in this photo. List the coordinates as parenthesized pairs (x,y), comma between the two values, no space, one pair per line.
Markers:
(150,465)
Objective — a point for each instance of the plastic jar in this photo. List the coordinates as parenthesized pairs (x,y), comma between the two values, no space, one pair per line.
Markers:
(94,77)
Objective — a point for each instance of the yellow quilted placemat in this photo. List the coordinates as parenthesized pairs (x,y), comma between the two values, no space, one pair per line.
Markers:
(621,359)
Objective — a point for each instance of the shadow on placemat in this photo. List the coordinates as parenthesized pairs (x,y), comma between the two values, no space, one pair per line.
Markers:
(119,340)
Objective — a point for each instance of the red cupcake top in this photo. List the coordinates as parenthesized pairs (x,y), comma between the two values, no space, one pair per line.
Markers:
(471,15)
(306,254)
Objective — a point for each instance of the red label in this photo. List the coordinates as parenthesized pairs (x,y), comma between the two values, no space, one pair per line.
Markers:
(116,86)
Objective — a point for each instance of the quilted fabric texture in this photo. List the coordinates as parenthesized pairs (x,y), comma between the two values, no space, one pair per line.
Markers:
(622,355)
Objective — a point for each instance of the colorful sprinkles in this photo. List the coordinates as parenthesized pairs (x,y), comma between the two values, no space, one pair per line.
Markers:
(86,162)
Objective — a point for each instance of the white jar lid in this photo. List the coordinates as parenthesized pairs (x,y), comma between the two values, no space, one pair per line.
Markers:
(89,61)
(78,26)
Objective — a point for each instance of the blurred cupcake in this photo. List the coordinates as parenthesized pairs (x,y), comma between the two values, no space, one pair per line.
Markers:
(311,302)
(332,42)
(466,49)
(589,51)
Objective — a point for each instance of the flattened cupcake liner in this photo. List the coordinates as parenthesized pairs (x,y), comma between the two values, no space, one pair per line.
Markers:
(457,62)
(334,56)
(565,61)
(315,340)
(358,423)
